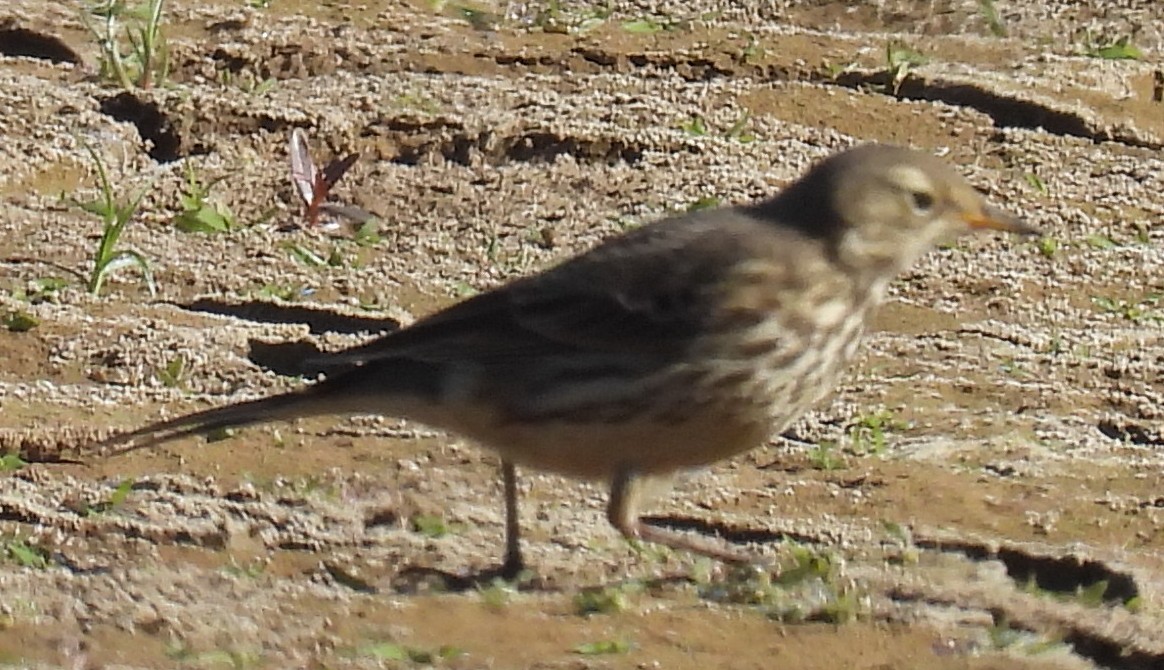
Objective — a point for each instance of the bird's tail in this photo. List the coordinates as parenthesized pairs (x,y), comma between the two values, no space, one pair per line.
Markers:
(393,388)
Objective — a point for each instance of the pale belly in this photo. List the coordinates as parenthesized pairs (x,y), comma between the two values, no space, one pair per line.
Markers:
(599,450)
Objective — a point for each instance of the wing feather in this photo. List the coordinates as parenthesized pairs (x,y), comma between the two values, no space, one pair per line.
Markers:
(638,293)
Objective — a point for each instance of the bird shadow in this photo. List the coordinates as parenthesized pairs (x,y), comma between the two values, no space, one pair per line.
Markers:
(298,358)
(729,533)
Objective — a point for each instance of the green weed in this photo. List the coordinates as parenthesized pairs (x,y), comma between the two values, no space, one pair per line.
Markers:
(199,214)
(1120,48)
(115,215)
(602,647)
(19,321)
(20,552)
(113,23)
(990,15)
(900,60)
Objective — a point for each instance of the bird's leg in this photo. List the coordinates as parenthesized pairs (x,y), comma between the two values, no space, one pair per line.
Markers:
(513,562)
(627,491)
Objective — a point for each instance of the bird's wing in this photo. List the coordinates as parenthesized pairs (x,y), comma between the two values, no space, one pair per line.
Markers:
(645,292)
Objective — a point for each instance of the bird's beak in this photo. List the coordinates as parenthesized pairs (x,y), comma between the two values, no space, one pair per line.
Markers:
(993,218)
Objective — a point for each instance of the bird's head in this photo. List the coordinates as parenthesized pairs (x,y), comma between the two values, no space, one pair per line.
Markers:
(881,207)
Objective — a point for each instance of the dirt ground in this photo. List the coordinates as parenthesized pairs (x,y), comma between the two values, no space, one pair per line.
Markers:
(984,490)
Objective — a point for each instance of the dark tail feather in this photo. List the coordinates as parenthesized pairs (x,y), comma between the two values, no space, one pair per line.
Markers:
(286,406)
(388,387)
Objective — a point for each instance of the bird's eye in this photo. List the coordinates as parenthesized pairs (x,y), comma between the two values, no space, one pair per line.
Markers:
(922,202)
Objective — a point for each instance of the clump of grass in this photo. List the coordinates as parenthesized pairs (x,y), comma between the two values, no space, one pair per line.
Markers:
(113,24)
(115,215)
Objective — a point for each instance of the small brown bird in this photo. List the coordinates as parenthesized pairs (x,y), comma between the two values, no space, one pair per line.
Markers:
(687,341)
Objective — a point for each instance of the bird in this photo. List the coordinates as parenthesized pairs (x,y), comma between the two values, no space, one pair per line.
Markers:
(667,348)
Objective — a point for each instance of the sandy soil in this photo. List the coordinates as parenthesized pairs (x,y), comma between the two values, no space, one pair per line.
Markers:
(984,490)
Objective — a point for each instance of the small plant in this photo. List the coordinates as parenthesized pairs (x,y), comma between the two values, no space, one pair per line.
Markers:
(115,216)
(334,258)
(478,18)
(314,186)
(116,499)
(198,214)
(993,20)
(706,202)
(602,647)
(807,587)
(390,651)
(867,435)
(172,373)
(19,321)
(753,50)
(1144,309)
(11,462)
(147,62)
(235,659)
(902,537)
(649,25)
(431,525)
(20,552)
(41,290)
(603,600)
(1048,246)
(247,82)
(694,126)
(1036,182)
(824,456)
(497,595)
(899,60)
(285,292)
(739,129)
(1118,49)
(1096,241)
(644,26)
(550,17)
(251,570)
